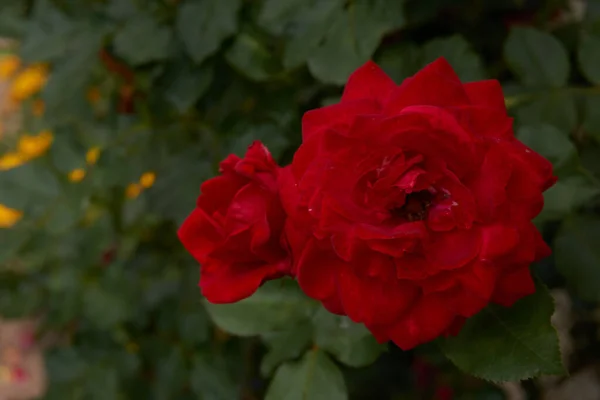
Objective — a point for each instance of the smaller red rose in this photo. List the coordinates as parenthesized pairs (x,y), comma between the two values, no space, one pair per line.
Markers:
(235,232)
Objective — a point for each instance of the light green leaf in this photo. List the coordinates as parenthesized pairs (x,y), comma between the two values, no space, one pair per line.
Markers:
(508,344)
(251,58)
(285,345)
(578,255)
(589,57)
(536,57)
(142,40)
(203,25)
(351,343)
(549,142)
(275,306)
(315,377)
(352,38)
(458,53)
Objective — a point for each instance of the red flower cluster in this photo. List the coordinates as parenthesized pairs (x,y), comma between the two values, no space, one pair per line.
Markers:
(407,207)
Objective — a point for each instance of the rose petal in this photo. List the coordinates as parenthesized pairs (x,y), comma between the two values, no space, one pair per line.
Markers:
(368,82)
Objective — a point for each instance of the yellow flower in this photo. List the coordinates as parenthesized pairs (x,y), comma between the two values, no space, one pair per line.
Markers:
(9,65)
(11,160)
(92,155)
(34,146)
(133,190)
(38,107)
(8,216)
(29,82)
(77,175)
(147,179)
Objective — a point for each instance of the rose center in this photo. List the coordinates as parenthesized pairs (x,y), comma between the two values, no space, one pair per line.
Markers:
(415,206)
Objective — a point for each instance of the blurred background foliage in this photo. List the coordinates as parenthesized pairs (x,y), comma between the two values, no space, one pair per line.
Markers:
(126,106)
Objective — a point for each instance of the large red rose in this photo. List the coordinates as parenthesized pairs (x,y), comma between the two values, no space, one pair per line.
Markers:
(409,207)
(235,232)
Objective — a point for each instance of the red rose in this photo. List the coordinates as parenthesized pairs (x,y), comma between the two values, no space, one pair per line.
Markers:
(409,207)
(235,231)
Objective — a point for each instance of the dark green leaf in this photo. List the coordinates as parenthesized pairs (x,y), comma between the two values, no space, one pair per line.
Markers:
(511,344)
(285,345)
(351,40)
(591,116)
(400,61)
(275,306)
(351,343)
(457,51)
(172,375)
(315,377)
(47,34)
(142,40)
(202,25)
(555,108)
(537,58)
(251,58)
(211,380)
(589,56)
(184,86)
(566,196)
(578,255)
(549,142)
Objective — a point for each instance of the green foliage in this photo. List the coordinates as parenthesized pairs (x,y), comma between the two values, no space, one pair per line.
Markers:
(172,87)
(512,344)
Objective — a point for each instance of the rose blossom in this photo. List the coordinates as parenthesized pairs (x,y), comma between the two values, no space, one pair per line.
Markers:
(235,231)
(409,206)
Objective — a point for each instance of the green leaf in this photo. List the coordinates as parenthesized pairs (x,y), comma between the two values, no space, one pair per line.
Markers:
(48,33)
(458,53)
(171,375)
(549,142)
(589,56)
(306,26)
(105,308)
(508,344)
(536,57)
(183,85)
(286,345)
(591,116)
(578,255)
(251,58)
(556,108)
(400,61)
(142,40)
(351,343)
(29,186)
(70,78)
(275,306)
(566,196)
(211,380)
(203,25)
(173,196)
(269,134)
(315,377)
(194,326)
(352,38)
